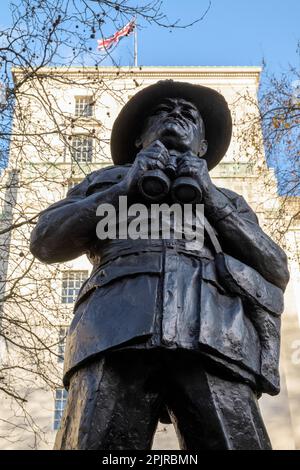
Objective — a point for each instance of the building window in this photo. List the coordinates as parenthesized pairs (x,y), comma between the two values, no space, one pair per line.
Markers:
(61,343)
(82,148)
(84,106)
(71,283)
(60,402)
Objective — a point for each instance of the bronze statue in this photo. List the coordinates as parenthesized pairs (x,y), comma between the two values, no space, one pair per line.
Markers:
(162,331)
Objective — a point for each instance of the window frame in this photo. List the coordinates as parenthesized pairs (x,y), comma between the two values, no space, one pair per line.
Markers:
(82,148)
(84,106)
(60,400)
(70,293)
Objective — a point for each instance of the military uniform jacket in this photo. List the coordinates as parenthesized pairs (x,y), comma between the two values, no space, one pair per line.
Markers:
(159,294)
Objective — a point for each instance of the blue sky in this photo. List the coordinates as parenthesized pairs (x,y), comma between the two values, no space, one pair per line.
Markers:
(234,32)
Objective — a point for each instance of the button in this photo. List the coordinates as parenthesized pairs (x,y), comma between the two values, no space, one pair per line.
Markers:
(258,294)
(102,273)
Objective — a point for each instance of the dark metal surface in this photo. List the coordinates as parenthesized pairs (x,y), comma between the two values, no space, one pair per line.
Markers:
(188,332)
(115,404)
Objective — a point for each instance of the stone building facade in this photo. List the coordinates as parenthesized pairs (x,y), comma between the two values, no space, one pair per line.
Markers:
(61,132)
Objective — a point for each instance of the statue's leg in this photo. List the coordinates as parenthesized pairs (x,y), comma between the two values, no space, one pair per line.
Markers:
(112,404)
(211,413)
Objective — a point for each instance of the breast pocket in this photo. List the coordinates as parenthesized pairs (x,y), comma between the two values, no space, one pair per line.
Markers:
(123,266)
(123,288)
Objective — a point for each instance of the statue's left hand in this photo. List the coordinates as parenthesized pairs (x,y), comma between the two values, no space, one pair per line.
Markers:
(196,168)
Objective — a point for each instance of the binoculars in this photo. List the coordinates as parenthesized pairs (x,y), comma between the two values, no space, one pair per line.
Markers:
(155,185)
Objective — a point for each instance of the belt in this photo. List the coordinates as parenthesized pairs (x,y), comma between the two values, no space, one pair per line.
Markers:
(114,248)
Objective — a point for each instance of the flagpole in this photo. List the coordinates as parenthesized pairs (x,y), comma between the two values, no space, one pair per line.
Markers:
(135,44)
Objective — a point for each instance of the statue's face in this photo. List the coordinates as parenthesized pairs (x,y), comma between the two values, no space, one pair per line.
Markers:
(177,124)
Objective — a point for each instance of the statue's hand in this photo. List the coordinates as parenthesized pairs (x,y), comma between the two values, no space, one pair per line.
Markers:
(153,157)
(196,168)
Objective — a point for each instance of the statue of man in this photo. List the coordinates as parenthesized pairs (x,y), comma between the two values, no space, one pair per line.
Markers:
(161,329)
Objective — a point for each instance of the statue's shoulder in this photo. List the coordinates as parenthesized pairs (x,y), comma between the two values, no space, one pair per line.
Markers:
(113,173)
(104,176)
(231,195)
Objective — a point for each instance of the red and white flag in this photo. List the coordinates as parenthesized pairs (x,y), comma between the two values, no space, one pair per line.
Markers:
(109,42)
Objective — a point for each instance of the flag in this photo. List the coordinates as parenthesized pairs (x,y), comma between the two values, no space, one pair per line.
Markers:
(109,42)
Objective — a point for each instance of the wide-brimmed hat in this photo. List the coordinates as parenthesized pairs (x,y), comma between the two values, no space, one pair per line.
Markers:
(211,105)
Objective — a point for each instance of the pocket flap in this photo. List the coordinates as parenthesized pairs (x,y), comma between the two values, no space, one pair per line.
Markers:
(127,265)
(209,274)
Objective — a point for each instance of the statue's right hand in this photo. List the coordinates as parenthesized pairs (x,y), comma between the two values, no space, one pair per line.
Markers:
(153,157)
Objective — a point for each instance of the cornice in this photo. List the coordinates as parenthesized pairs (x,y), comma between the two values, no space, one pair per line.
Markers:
(191,72)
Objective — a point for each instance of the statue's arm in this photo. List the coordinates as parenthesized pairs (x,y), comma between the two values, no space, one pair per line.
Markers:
(243,238)
(65,230)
